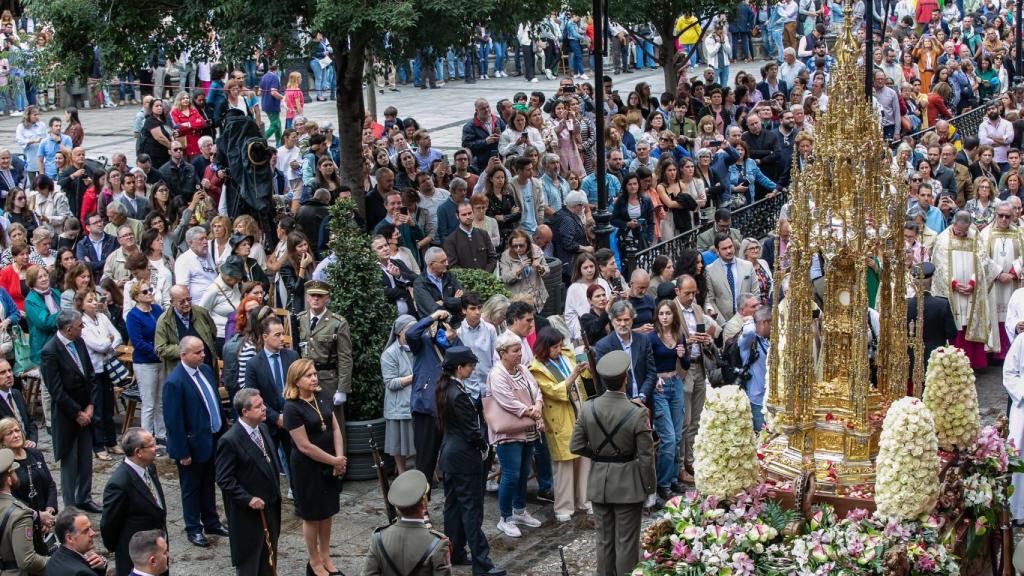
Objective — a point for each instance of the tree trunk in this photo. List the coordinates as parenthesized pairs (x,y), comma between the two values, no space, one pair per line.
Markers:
(667,54)
(349,68)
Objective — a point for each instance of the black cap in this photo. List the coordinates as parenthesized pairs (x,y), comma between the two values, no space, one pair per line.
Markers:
(925,268)
(666,291)
(459,355)
(235,239)
(232,267)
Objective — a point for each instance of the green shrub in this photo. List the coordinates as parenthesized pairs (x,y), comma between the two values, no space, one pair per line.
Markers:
(357,295)
(484,283)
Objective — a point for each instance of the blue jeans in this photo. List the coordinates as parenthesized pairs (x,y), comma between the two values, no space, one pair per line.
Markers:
(456,65)
(483,53)
(251,80)
(668,424)
(576,58)
(644,54)
(542,464)
(126,88)
(686,49)
(323,78)
(741,44)
(500,54)
(515,472)
(723,76)
(758,417)
(777,45)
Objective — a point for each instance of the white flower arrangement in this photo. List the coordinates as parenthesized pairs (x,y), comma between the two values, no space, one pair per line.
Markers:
(725,451)
(907,481)
(952,398)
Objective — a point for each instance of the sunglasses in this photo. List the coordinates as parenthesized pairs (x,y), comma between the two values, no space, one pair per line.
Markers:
(915,179)
(146,291)
(1003,216)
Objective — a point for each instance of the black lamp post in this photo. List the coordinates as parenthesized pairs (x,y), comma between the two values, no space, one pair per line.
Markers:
(1018,77)
(869,48)
(603,218)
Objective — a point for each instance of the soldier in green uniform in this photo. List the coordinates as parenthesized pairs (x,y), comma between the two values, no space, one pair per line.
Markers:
(18,556)
(409,547)
(324,338)
(615,434)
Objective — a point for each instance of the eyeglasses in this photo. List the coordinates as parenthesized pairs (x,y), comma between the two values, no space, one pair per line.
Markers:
(127,236)
(184,300)
(176,149)
(915,179)
(1003,216)
(146,291)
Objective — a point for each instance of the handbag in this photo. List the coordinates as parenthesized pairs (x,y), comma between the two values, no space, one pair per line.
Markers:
(501,421)
(116,371)
(22,350)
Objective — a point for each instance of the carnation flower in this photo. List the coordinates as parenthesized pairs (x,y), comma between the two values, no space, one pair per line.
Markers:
(952,398)
(725,451)
(907,481)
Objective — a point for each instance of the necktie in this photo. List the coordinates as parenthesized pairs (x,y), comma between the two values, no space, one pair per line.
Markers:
(275,366)
(258,439)
(74,356)
(14,410)
(732,283)
(211,404)
(152,488)
(314,320)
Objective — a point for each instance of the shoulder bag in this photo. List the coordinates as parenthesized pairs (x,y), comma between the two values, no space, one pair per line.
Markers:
(501,421)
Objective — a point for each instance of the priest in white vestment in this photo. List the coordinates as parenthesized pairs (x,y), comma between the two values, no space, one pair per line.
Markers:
(1002,243)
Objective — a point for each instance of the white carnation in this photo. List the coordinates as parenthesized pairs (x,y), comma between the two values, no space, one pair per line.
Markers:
(725,451)
(907,481)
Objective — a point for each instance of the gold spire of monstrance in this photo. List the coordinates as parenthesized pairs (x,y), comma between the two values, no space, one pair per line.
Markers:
(846,210)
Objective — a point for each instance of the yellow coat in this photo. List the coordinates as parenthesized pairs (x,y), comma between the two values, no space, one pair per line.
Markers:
(690,35)
(559,418)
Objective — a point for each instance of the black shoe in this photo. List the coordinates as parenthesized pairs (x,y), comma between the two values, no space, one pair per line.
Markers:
(199,540)
(628,71)
(465,561)
(689,469)
(309,570)
(90,506)
(545,496)
(679,488)
(492,572)
(394,89)
(219,531)
(664,494)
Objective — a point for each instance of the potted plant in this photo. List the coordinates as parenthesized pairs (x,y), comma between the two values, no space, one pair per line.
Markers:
(356,295)
(483,283)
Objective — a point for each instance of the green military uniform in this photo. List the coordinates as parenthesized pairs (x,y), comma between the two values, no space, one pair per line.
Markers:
(329,346)
(17,553)
(616,435)
(408,547)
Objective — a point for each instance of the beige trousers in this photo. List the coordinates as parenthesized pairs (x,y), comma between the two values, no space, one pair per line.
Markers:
(570,485)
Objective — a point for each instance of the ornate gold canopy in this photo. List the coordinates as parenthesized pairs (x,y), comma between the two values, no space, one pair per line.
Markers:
(846,209)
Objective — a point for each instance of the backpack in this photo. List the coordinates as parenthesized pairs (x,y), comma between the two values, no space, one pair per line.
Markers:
(734,369)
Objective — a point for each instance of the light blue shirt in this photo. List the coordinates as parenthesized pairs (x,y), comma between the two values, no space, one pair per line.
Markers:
(758,370)
(589,185)
(554,191)
(529,220)
(48,152)
(481,341)
(634,390)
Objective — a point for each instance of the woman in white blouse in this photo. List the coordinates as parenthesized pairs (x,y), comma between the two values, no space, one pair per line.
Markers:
(222,297)
(519,135)
(102,340)
(220,231)
(584,273)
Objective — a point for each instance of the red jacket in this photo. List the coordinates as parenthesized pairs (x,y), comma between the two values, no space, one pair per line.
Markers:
(195,122)
(923,12)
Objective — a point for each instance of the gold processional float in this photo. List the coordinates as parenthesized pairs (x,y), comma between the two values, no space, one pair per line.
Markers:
(845,208)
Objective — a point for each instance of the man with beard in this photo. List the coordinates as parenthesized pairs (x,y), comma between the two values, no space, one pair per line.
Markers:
(997,132)
(786,133)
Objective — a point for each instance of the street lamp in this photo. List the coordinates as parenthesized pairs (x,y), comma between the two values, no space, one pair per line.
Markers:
(603,218)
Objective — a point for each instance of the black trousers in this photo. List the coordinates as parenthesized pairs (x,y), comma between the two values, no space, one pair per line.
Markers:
(427,442)
(198,496)
(528,59)
(104,432)
(464,519)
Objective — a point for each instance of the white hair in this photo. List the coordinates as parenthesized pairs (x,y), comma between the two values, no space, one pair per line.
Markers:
(576,198)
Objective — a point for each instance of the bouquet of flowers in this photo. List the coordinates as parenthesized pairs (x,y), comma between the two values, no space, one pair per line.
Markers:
(907,481)
(990,464)
(725,451)
(952,398)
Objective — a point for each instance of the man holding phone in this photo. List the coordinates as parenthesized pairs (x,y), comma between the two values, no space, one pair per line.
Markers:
(700,335)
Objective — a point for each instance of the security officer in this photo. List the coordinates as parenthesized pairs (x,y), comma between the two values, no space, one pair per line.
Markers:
(408,547)
(324,338)
(615,433)
(17,552)
(939,325)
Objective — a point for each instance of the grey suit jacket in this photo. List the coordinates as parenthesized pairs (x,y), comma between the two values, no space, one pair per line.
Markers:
(719,294)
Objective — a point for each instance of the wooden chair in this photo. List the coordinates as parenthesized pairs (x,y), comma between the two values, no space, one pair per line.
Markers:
(131,405)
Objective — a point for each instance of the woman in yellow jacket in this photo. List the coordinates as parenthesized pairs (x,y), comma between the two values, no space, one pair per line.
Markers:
(687,32)
(558,376)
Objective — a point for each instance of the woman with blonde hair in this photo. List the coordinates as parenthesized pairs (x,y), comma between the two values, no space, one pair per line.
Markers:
(147,365)
(558,376)
(36,487)
(317,461)
(246,225)
(294,103)
(522,267)
(189,123)
(220,235)
(706,133)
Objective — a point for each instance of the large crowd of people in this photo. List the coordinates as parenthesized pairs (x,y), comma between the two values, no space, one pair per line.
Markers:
(133,276)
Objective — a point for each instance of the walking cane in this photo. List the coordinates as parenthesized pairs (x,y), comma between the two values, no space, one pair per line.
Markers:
(270,547)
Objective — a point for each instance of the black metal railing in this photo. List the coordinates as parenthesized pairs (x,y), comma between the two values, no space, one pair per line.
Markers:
(755,220)
(966,124)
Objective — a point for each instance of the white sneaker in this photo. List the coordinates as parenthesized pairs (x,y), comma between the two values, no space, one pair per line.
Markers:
(509,528)
(575,76)
(584,77)
(484,77)
(563,517)
(17,113)
(547,74)
(523,517)
(492,486)
(532,80)
(501,75)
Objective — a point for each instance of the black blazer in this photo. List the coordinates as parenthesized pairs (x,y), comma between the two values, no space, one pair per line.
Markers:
(242,473)
(464,444)
(67,562)
(426,294)
(31,430)
(939,324)
(400,291)
(642,359)
(258,375)
(128,507)
(70,390)
(569,235)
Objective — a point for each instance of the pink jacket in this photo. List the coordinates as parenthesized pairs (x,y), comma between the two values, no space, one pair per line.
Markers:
(509,395)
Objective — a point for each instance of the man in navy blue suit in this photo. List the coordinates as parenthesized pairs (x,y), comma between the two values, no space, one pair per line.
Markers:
(643,375)
(194,423)
(266,372)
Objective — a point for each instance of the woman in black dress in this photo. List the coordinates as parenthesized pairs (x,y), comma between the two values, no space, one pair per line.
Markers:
(37,488)
(317,462)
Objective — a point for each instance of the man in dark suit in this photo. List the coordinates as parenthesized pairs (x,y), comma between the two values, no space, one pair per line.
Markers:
(643,374)
(265,372)
(436,284)
(75,556)
(194,422)
(469,247)
(395,277)
(247,473)
(771,245)
(939,325)
(12,405)
(148,550)
(68,374)
(94,248)
(133,499)
(570,237)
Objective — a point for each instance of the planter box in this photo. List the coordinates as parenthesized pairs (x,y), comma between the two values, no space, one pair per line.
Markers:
(357,449)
